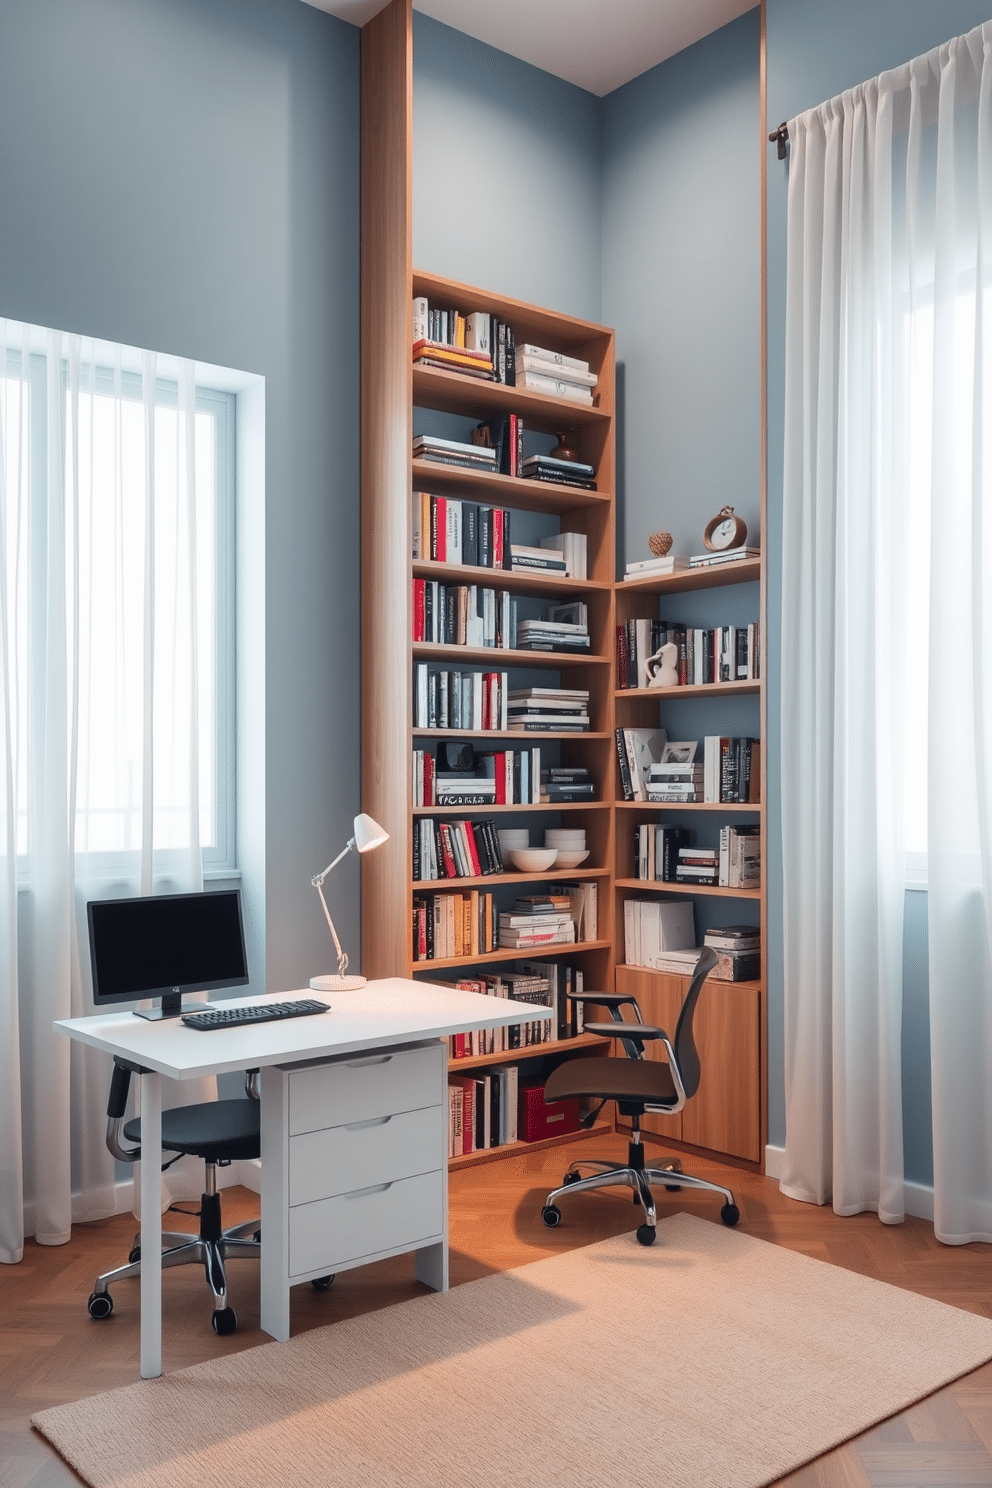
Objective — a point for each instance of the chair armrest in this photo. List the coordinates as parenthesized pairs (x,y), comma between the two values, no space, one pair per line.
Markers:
(625,1030)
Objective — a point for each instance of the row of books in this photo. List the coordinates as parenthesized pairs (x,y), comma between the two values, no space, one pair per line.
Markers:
(446,530)
(562,984)
(457,849)
(464,615)
(449,925)
(502,777)
(731,770)
(656,851)
(459,700)
(638,750)
(429,353)
(735,864)
(482,1111)
(738,949)
(478,331)
(726,653)
(676,772)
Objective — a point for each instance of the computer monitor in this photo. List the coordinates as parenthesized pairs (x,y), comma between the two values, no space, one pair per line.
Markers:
(163,945)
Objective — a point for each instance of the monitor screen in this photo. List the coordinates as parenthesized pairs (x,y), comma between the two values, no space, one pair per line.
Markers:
(163,945)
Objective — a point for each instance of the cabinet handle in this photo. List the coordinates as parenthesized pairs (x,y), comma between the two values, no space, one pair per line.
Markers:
(373,1059)
(374,1121)
(359,1193)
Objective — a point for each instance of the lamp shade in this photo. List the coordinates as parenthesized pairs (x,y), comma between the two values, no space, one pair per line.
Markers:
(368,833)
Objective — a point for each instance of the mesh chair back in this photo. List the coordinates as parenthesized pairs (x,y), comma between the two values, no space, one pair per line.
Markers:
(686,1055)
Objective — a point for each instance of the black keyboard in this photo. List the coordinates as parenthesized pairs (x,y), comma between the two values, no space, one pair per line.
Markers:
(263,1012)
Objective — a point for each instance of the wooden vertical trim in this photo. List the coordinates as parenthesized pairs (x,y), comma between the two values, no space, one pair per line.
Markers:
(386,434)
(763,585)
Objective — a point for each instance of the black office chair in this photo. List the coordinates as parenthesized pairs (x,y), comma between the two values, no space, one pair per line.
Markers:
(637,1085)
(220,1132)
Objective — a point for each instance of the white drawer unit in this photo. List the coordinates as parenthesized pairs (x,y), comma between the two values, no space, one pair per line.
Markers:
(354,1168)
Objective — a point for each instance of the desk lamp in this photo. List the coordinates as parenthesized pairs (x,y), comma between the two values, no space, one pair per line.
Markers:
(368,835)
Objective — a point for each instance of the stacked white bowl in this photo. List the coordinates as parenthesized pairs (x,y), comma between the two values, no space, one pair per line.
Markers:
(571,845)
(512,838)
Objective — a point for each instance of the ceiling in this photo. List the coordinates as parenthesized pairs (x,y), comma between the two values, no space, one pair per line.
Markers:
(596,44)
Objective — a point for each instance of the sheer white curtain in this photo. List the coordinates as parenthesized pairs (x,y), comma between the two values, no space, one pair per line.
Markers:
(886,669)
(100,750)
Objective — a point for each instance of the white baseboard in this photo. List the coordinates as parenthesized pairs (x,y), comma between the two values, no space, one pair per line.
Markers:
(247,1174)
(917,1197)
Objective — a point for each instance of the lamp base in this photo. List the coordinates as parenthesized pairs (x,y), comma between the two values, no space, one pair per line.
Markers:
(337,983)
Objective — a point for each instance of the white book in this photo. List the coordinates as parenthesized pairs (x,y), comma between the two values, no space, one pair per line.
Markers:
(417,527)
(525,362)
(643,568)
(553,387)
(574,549)
(477,331)
(420,318)
(453,531)
(558,357)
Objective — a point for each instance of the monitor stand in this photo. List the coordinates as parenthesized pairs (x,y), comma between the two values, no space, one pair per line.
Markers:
(171,1006)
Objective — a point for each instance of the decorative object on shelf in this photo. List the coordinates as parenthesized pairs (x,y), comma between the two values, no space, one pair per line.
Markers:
(564,449)
(661,669)
(368,835)
(660,543)
(533,859)
(725,531)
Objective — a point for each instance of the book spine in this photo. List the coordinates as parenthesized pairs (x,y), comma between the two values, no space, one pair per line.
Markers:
(625,780)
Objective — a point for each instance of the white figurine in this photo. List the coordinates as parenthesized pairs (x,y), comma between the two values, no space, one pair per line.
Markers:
(661,670)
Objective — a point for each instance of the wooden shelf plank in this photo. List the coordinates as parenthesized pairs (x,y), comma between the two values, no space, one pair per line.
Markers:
(513,1149)
(505,578)
(498,658)
(694,690)
(532,953)
(494,880)
(488,735)
(494,810)
(650,971)
(535,1051)
(503,490)
(719,576)
(450,392)
(659,886)
(752,808)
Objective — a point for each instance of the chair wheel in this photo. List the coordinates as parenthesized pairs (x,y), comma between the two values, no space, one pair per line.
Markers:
(225,1320)
(321,1283)
(100,1305)
(257,1235)
(134,1254)
(730,1214)
(570,1178)
(551,1215)
(646,1234)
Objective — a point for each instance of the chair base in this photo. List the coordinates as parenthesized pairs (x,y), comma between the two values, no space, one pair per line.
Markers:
(638,1176)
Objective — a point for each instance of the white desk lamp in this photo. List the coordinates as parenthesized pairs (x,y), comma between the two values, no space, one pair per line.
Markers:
(368,835)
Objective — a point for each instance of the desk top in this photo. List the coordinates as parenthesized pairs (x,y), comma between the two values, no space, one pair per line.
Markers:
(394,1011)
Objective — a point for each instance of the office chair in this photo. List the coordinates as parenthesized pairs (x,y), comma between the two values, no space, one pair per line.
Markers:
(218,1131)
(637,1085)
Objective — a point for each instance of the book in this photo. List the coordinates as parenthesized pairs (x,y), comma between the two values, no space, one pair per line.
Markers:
(557,357)
(732,555)
(569,392)
(644,748)
(526,362)
(644,568)
(552,463)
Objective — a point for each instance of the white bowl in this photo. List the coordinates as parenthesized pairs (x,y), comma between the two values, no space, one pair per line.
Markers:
(566,859)
(511,837)
(533,859)
(559,837)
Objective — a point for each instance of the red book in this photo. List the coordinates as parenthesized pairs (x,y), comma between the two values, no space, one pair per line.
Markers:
(439,529)
(450,869)
(515,438)
(418,609)
(621,656)
(497,537)
(471,848)
(428,778)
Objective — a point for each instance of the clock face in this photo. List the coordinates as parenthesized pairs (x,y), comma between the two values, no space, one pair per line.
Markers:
(724,534)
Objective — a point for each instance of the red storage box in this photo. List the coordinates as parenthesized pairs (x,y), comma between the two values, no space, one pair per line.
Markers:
(537,1120)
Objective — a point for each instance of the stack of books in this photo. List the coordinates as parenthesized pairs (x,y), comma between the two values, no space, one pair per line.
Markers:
(477,331)
(524,559)
(653,929)
(457,849)
(714,560)
(454,452)
(646,568)
(656,851)
(560,472)
(548,710)
(567,783)
(740,857)
(453,788)
(739,949)
(565,628)
(698,865)
(676,782)
(536,920)
(574,548)
(557,375)
(453,359)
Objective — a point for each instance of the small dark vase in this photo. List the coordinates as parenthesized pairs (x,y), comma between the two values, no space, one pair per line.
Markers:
(564,450)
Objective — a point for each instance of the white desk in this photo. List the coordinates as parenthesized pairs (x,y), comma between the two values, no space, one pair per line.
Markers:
(379,1017)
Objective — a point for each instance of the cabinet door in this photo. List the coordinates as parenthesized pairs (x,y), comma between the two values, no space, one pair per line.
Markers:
(659,999)
(723,1114)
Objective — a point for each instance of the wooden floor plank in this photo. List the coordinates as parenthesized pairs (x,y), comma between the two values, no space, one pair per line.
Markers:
(52,1351)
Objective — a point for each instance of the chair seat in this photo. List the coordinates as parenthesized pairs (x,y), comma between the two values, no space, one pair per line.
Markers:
(217,1131)
(646,1080)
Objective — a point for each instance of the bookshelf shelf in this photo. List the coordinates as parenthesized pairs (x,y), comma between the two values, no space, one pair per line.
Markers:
(450,392)
(506,735)
(748,808)
(536,1051)
(531,953)
(502,490)
(507,578)
(498,659)
(544,806)
(748,571)
(661,887)
(671,976)
(515,1149)
(690,690)
(494,880)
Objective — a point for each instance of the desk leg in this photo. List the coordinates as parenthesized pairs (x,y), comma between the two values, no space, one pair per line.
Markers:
(151,1226)
(432,1266)
(275,1204)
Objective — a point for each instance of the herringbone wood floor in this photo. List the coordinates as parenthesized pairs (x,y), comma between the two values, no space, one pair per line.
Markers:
(51,1351)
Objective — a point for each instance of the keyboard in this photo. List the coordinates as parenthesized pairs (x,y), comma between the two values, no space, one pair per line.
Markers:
(262,1012)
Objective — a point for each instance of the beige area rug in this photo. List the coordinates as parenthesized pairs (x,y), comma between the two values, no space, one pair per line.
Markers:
(709,1359)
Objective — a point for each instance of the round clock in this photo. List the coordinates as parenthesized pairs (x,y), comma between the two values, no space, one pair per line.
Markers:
(725,531)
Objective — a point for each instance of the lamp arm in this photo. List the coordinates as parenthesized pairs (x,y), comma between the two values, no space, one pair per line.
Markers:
(318,878)
(318,885)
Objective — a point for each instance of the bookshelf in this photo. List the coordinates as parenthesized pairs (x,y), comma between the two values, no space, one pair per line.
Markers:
(726,1114)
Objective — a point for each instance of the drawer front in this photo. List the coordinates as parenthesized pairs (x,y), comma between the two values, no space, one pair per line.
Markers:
(331,1232)
(364,1086)
(343,1158)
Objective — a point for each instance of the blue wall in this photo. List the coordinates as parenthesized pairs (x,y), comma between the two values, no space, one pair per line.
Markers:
(815,51)
(185,177)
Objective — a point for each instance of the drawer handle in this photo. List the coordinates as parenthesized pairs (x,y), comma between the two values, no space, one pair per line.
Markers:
(374,1121)
(360,1193)
(373,1059)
